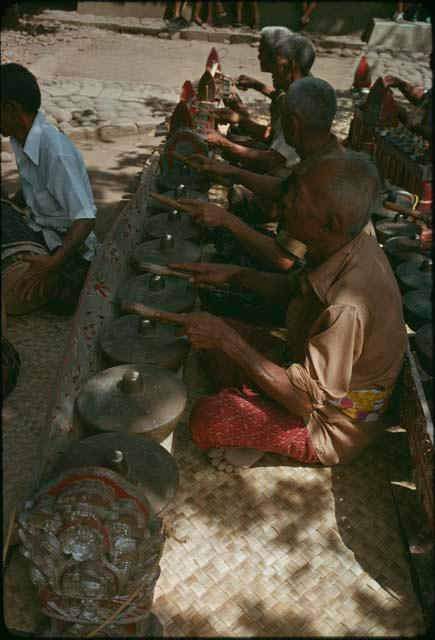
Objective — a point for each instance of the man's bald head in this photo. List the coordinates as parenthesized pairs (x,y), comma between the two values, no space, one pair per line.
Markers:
(269,36)
(348,186)
(330,202)
(313,101)
(298,49)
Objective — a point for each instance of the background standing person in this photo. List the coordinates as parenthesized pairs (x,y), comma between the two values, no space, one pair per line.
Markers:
(256,21)
(307,10)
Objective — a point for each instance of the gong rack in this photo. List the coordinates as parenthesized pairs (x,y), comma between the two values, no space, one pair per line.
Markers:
(92,526)
(402,158)
(416,387)
(405,160)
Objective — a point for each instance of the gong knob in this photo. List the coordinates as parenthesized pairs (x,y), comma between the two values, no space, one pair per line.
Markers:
(174,216)
(132,382)
(146,327)
(426,266)
(167,242)
(181,191)
(116,461)
(157,283)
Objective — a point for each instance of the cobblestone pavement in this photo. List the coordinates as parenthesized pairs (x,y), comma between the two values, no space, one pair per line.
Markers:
(107,108)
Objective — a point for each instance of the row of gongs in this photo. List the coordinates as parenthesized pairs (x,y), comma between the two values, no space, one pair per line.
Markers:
(411,260)
(139,394)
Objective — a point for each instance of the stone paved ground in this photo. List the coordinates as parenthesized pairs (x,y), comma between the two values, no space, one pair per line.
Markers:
(109,99)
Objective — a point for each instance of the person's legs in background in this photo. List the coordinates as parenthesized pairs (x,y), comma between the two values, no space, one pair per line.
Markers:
(307,10)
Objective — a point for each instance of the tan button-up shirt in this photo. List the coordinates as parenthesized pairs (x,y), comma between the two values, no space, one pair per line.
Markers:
(346,333)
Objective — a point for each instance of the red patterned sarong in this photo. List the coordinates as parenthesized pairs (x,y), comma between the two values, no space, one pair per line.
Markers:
(242,418)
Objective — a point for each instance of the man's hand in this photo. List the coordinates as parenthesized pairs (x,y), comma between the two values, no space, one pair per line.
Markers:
(215,139)
(392,82)
(204,330)
(208,273)
(235,103)
(227,116)
(206,213)
(39,277)
(245,82)
(212,167)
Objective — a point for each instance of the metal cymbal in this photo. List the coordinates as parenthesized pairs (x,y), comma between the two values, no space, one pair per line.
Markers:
(166,293)
(424,345)
(134,340)
(402,249)
(415,276)
(399,226)
(165,250)
(138,460)
(143,400)
(417,307)
(177,224)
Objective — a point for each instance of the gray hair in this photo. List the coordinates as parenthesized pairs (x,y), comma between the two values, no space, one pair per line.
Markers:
(313,101)
(353,191)
(298,48)
(271,35)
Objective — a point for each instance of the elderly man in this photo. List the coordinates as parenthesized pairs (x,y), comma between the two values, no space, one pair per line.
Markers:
(269,36)
(321,398)
(309,109)
(293,58)
(56,189)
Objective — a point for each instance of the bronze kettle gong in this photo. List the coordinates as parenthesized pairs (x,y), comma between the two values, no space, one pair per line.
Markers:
(134,340)
(144,400)
(167,293)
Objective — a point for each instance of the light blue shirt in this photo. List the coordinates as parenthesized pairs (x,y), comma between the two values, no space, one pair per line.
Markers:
(55,184)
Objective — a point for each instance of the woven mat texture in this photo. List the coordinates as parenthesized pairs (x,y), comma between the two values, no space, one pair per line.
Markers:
(39,339)
(282,550)
(279,550)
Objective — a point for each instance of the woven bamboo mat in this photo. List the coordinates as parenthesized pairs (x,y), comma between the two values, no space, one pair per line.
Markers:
(282,550)
(39,339)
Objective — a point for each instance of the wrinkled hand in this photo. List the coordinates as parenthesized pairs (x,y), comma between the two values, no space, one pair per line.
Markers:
(235,103)
(392,81)
(245,82)
(227,116)
(40,276)
(206,213)
(204,330)
(215,139)
(208,273)
(210,166)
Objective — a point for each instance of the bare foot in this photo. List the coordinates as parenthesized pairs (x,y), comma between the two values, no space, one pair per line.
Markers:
(230,460)
(198,21)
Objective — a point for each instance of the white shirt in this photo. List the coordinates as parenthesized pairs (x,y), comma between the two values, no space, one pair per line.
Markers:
(55,184)
(279,145)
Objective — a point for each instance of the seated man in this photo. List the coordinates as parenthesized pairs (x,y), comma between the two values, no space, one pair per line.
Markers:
(309,109)
(419,120)
(294,57)
(321,398)
(269,36)
(56,189)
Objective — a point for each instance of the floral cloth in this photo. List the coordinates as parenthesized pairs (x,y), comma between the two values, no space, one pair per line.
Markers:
(366,405)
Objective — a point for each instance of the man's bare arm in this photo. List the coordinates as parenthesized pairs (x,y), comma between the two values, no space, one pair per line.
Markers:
(77,234)
(272,378)
(261,247)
